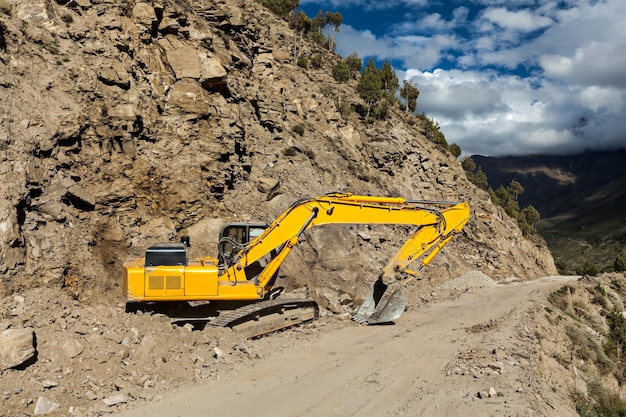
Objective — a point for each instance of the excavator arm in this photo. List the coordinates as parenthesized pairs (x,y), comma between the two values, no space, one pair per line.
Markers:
(436,224)
(426,242)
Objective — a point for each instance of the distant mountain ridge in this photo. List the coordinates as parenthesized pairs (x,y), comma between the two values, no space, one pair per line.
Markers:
(581,199)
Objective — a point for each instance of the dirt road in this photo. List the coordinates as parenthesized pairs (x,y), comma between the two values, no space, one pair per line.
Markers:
(473,355)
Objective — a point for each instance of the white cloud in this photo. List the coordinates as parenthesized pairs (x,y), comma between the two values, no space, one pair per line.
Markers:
(434,21)
(556,65)
(521,20)
(600,64)
(603,99)
(501,115)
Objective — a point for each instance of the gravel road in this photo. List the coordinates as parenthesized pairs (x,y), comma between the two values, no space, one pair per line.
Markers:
(469,355)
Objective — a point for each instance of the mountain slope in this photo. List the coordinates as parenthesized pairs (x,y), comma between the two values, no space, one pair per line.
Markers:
(581,199)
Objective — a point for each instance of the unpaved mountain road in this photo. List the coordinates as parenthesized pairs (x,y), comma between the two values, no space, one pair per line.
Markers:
(433,362)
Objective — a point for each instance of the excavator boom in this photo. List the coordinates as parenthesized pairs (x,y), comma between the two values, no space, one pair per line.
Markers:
(436,222)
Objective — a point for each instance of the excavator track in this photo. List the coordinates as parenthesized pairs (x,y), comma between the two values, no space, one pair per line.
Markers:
(265,317)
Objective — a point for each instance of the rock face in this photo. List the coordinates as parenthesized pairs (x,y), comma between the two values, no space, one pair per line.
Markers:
(125,123)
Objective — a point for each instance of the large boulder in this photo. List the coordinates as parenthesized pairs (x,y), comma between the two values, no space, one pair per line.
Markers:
(16,347)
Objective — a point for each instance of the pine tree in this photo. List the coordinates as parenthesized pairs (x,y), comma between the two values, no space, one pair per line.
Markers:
(370,86)
(319,21)
(389,78)
(480,179)
(410,93)
(354,63)
(515,188)
(468,164)
(531,215)
(333,20)
(302,25)
(455,150)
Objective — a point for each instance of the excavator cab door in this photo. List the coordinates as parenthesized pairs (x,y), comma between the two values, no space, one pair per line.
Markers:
(235,236)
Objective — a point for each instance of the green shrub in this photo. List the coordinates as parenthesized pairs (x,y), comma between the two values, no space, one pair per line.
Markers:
(455,150)
(586,348)
(561,265)
(343,107)
(341,72)
(303,61)
(599,402)
(318,37)
(615,345)
(588,268)
(381,111)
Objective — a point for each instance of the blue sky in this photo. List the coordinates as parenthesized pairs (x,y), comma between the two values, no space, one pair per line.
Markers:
(501,77)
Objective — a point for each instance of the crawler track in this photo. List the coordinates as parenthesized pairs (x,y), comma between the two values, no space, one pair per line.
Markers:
(265,317)
(259,318)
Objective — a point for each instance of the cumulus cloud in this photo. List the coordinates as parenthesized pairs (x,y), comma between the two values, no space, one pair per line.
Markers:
(596,63)
(490,114)
(521,20)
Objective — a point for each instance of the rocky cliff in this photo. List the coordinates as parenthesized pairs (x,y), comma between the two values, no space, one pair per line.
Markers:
(126,122)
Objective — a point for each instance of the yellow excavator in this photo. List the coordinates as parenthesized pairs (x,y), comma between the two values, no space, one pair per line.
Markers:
(241,280)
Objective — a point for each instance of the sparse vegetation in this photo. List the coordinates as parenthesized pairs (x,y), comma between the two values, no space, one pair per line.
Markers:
(599,356)
(527,218)
(600,402)
(281,8)
(588,268)
(433,131)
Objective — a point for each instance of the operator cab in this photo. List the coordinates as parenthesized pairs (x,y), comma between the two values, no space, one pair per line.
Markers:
(234,237)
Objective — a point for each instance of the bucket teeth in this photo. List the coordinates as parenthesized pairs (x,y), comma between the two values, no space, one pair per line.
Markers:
(359,319)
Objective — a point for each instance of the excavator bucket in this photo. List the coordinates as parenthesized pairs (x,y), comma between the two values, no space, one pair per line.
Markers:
(384,304)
